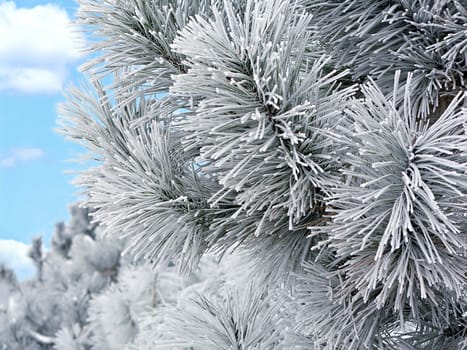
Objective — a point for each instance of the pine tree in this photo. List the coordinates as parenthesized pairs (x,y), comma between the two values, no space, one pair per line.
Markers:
(8,289)
(37,256)
(8,285)
(52,307)
(86,295)
(115,313)
(325,141)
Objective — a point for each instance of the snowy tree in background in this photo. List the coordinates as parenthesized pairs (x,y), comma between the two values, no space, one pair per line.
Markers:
(8,289)
(55,302)
(37,256)
(8,286)
(323,141)
(114,314)
(87,295)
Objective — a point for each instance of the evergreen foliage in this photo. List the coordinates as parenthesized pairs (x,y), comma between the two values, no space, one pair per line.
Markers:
(114,314)
(425,38)
(52,308)
(233,318)
(91,297)
(324,142)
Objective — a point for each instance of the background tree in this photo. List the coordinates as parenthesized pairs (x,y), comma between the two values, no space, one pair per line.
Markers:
(90,296)
(58,297)
(8,285)
(8,289)
(37,256)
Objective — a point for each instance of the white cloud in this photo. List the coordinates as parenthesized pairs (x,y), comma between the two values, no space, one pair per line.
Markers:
(14,254)
(36,44)
(18,155)
(31,80)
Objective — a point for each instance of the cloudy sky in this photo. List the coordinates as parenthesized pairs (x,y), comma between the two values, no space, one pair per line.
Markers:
(39,56)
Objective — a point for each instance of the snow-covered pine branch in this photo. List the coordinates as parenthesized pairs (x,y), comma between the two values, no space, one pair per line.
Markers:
(323,140)
(425,38)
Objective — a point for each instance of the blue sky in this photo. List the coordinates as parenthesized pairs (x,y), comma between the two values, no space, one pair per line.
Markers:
(39,56)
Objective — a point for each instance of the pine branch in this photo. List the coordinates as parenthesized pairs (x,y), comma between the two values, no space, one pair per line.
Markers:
(376,38)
